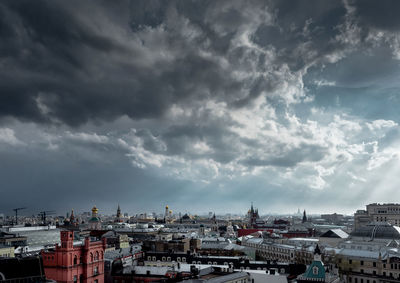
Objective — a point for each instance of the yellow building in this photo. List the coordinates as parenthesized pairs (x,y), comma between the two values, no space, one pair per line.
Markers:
(6,251)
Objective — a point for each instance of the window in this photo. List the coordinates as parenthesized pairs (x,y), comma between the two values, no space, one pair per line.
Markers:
(362,262)
(95,270)
(163,258)
(374,264)
(350,261)
(315,270)
(75,260)
(75,278)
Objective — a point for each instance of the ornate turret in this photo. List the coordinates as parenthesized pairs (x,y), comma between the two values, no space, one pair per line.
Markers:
(316,271)
(94,221)
(72,220)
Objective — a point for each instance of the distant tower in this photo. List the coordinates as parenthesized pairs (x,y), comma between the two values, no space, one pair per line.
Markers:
(72,220)
(119,211)
(304,217)
(94,221)
(166,214)
(253,216)
(215,223)
(119,215)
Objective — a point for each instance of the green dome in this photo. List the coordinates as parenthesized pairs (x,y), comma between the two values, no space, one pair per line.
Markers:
(94,219)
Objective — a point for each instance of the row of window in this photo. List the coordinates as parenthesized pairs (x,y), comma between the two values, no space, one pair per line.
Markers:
(178,259)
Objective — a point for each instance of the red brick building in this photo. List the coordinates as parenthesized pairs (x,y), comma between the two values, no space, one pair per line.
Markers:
(75,263)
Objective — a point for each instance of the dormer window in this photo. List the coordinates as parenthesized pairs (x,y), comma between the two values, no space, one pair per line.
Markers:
(315,270)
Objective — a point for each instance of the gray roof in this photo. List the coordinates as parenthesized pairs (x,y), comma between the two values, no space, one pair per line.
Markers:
(378,230)
(119,253)
(223,278)
(229,277)
(335,233)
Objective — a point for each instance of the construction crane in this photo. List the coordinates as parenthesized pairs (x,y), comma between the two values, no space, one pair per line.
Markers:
(16,213)
(43,215)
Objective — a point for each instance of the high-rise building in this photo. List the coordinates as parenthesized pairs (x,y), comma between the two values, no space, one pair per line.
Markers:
(70,263)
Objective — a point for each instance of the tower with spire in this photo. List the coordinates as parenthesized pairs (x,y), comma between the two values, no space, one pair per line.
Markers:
(304,217)
(316,271)
(118,218)
(253,216)
(94,221)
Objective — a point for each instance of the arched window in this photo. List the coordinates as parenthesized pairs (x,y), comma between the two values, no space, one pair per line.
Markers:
(315,270)
(97,256)
(91,256)
(75,260)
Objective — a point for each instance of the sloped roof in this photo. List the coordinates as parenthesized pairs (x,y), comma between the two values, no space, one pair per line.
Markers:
(315,272)
(335,233)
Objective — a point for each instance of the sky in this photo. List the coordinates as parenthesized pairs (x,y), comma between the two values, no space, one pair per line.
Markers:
(201,105)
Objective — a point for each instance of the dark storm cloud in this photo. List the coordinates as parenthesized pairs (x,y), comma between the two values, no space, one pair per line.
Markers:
(65,56)
(298,25)
(54,52)
(145,95)
(58,53)
(378,14)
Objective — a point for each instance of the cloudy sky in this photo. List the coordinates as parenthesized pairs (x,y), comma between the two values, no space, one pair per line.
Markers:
(202,105)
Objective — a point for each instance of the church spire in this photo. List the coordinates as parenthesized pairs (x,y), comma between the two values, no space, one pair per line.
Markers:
(118,211)
(304,217)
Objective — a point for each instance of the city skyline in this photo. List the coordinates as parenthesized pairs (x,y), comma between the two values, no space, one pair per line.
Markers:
(204,106)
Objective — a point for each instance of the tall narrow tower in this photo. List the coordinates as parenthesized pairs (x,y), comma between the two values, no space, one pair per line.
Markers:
(304,217)
(166,215)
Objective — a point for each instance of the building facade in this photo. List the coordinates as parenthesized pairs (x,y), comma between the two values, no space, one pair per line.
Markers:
(375,212)
(75,263)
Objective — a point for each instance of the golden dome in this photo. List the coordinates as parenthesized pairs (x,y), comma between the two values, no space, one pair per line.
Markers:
(166,207)
(94,209)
